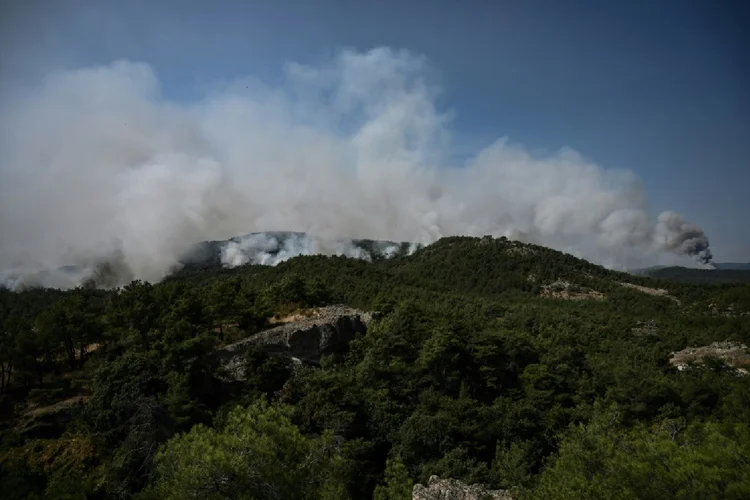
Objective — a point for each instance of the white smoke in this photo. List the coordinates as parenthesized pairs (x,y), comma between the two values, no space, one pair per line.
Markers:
(96,161)
(387,249)
(413,247)
(264,249)
(269,249)
(58,278)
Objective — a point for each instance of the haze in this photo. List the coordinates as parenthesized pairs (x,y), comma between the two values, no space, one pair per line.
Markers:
(102,155)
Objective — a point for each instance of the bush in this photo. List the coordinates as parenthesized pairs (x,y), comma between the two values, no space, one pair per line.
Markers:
(258,453)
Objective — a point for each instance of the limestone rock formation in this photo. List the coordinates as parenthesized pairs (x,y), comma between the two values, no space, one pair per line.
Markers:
(734,354)
(453,489)
(328,331)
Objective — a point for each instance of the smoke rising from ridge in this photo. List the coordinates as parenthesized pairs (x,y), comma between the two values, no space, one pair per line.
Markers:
(96,163)
(269,249)
(675,234)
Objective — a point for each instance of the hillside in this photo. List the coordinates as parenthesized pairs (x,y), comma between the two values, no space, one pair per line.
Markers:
(271,247)
(733,265)
(476,359)
(701,276)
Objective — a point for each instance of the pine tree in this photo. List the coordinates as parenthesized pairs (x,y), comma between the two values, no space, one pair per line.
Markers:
(398,485)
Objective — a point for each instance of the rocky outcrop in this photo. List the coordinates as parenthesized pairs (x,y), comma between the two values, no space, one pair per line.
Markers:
(328,331)
(727,312)
(646,328)
(564,290)
(734,354)
(453,489)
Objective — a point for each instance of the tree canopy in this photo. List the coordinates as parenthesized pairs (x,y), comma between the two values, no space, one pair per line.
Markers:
(490,361)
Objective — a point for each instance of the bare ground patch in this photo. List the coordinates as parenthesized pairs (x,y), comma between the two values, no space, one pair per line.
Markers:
(734,354)
(656,292)
(567,291)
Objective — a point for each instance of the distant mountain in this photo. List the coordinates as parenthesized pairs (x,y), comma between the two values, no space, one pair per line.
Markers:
(261,248)
(700,276)
(696,275)
(646,271)
(733,265)
(273,247)
(460,265)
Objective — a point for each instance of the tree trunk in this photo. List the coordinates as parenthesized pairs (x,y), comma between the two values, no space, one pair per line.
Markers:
(48,359)
(71,348)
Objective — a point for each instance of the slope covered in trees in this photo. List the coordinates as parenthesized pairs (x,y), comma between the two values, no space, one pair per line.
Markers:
(475,371)
(702,276)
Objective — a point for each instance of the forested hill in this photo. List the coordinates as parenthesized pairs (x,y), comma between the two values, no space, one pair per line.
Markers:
(733,265)
(462,265)
(490,361)
(701,276)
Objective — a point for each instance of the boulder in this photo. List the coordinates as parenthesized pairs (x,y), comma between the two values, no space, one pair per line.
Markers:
(453,489)
(734,354)
(327,332)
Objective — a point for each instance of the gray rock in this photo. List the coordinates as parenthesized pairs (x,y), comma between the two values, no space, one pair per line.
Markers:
(327,332)
(734,354)
(453,489)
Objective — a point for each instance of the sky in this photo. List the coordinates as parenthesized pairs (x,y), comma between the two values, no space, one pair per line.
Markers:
(658,88)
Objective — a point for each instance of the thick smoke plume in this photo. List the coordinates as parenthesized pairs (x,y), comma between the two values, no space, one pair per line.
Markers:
(269,249)
(675,234)
(95,164)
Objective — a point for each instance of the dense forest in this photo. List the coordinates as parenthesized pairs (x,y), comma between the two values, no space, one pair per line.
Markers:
(491,361)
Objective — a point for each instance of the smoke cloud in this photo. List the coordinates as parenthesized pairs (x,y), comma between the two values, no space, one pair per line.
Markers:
(95,164)
(269,249)
(675,234)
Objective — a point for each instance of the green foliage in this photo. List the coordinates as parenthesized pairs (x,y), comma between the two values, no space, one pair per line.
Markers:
(257,454)
(398,485)
(469,371)
(57,468)
(604,460)
(701,276)
(265,374)
(513,464)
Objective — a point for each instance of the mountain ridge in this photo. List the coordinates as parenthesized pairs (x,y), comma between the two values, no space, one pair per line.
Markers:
(274,247)
(723,273)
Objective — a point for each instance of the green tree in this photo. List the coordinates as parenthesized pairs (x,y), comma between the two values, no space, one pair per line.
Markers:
(513,464)
(57,328)
(602,460)
(257,454)
(398,484)
(136,309)
(221,298)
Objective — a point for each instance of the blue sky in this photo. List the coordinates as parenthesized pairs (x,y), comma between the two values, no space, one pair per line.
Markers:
(661,88)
